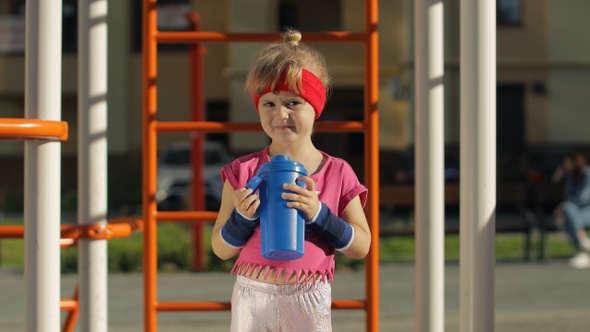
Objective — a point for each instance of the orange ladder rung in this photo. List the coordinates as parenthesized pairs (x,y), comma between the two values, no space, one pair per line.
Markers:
(210,126)
(349,304)
(186,216)
(208,36)
(193,306)
(219,306)
(71,305)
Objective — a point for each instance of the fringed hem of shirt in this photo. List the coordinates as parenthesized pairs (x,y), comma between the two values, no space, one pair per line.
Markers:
(248,270)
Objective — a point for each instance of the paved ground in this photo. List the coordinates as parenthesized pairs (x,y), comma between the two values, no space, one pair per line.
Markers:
(529,297)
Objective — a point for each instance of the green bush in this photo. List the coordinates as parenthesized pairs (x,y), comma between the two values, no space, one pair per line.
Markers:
(175,251)
(69,260)
(126,254)
(13,201)
(174,247)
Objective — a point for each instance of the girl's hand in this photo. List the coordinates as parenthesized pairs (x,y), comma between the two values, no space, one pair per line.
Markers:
(246,202)
(304,199)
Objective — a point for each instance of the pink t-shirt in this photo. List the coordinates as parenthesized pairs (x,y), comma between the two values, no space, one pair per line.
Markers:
(336,184)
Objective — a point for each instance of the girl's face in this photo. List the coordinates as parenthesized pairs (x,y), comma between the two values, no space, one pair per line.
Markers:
(286,117)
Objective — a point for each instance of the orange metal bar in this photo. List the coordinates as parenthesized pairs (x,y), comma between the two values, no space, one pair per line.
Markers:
(207,36)
(33,129)
(349,304)
(193,306)
(216,306)
(71,305)
(206,126)
(12,232)
(211,126)
(372,161)
(195,216)
(121,227)
(68,304)
(66,243)
(150,93)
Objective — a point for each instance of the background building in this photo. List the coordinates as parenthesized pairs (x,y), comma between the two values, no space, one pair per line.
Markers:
(543,70)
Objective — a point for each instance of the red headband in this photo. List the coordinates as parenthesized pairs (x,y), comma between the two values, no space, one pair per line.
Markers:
(312,90)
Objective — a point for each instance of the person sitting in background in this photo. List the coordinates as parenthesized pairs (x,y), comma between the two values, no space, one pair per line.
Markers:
(563,169)
(557,178)
(575,209)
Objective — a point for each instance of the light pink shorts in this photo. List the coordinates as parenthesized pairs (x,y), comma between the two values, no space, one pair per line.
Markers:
(258,306)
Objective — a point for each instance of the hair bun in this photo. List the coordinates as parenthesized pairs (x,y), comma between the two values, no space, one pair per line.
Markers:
(292,37)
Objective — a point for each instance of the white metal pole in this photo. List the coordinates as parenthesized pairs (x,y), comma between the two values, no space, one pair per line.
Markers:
(42,167)
(92,161)
(429,165)
(478,165)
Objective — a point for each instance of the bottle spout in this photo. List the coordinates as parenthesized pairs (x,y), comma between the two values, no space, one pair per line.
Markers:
(254,183)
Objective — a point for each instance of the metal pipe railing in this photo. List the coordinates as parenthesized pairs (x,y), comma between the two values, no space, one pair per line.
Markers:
(11,128)
(120,227)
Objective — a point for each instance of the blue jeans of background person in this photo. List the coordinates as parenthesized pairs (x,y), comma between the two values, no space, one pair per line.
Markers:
(575,218)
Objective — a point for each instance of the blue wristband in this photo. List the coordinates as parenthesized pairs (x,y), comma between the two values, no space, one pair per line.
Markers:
(238,229)
(337,232)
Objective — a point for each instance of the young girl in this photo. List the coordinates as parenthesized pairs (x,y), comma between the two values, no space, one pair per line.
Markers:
(289,83)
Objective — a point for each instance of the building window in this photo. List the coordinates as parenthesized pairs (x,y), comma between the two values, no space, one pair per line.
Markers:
(309,15)
(69,43)
(12,7)
(509,12)
(171,17)
(13,24)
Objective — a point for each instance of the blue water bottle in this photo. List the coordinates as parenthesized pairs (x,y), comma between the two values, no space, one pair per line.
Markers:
(282,229)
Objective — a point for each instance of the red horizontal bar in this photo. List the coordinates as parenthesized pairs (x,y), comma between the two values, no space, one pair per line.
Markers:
(33,129)
(207,126)
(210,126)
(193,306)
(189,216)
(217,306)
(349,304)
(207,36)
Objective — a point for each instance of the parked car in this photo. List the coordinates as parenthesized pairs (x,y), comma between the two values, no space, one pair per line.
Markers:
(175,175)
(399,167)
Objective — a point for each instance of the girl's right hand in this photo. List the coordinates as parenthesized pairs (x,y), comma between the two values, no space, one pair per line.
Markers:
(246,202)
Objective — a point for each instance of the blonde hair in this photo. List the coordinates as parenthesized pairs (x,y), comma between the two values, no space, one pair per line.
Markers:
(287,57)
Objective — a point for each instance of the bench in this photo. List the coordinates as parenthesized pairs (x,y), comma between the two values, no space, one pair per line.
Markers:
(513,213)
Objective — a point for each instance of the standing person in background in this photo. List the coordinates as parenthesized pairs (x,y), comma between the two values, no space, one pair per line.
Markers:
(575,209)
(289,82)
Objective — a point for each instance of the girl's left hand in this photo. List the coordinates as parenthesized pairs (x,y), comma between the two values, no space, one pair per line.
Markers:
(305,199)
